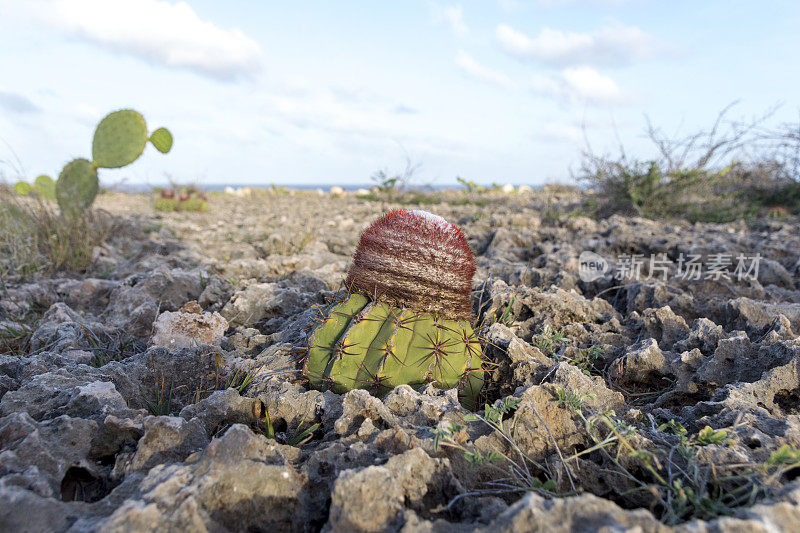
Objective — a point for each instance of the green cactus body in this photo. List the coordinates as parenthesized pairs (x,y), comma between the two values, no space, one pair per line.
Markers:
(119,139)
(23,188)
(391,328)
(368,344)
(162,140)
(77,186)
(45,186)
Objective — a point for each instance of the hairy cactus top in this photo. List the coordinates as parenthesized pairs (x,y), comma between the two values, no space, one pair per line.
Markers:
(417,260)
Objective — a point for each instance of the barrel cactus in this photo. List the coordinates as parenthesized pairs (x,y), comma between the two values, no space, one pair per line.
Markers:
(405,317)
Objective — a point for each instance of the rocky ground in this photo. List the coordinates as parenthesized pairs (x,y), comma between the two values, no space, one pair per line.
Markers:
(600,390)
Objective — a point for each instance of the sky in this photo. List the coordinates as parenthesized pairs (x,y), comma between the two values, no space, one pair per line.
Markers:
(320,92)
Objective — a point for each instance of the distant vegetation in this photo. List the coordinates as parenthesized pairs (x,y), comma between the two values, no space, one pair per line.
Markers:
(176,198)
(733,170)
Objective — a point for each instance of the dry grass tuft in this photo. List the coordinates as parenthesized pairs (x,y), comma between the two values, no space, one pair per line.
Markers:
(35,237)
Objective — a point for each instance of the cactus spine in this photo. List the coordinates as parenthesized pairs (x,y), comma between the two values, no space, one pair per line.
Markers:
(406,317)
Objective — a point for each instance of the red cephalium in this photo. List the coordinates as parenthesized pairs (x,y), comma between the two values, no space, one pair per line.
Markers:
(415,259)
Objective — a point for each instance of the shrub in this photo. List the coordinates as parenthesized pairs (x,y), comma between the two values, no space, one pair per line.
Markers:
(705,177)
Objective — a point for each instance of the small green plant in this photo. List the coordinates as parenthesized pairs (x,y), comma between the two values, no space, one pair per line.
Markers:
(550,341)
(14,338)
(383,181)
(786,455)
(35,238)
(161,402)
(669,471)
(106,348)
(572,399)
(700,177)
(585,359)
(238,380)
(514,467)
(673,428)
(241,380)
(507,318)
(387,184)
(299,438)
(470,185)
(708,436)
(450,435)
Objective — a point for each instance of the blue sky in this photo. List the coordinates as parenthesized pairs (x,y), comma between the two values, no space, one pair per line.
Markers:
(328,92)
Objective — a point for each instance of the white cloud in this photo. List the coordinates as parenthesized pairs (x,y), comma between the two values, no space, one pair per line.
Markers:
(611,45)
(480,72)
(580,85)
(454,15)
(509,5)
(162,32)
(16,103)
(556,132)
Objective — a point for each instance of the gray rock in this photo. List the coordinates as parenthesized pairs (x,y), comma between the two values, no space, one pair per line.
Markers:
(738,359)
(424,408)
(359,405)
(643,363)
(216,293)
(239,482)
(752,316)
(166,439)
(665,326)
(267,300)
(582,513)
(25,511)
(221,408)
(593,389)
(704,335)
(45,451)
(771,272)
(134,305)
(413,480)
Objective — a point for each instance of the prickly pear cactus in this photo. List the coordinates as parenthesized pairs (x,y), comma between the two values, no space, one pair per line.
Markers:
(119,139)
(162,140)
(77,186)
(406,316)
(24,188)
(45,187)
